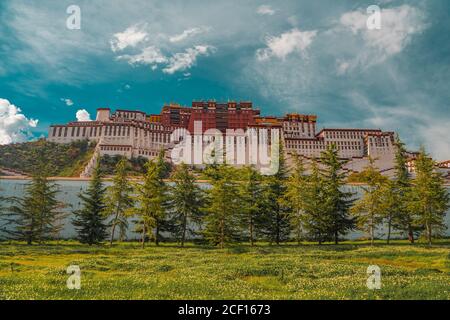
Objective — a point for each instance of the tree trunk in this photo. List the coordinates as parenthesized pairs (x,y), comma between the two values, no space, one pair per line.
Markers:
(222,234)
(143,235)
(428,226)
(251,232)
(277,230)
(371,234)
(183,236)
(389,230)
(157,233)
(113,229)
(336,237)
(410,234)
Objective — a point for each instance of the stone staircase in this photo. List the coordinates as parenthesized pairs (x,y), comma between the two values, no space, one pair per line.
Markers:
(87,171)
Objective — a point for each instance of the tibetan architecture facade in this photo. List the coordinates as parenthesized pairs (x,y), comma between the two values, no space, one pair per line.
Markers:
(135,133)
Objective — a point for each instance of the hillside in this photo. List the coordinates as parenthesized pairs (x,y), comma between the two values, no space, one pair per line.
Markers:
(65,160)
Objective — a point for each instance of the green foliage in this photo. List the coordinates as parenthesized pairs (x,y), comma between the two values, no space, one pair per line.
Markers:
(222,207)
(135,166)
(186,201)
(317,221)
(429,198)
(296,192)
(369,209)
(400,217)
(119,200)
(36,216)
(250,195)
(339,202)
(273,224)
(152,199)
(64,160)
(89,221)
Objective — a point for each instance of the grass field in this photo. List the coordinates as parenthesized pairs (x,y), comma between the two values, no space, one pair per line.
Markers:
(309,271)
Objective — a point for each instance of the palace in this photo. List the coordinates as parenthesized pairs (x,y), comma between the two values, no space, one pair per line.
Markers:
(135,133)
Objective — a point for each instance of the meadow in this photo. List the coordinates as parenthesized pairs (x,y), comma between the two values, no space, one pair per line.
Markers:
(308,271)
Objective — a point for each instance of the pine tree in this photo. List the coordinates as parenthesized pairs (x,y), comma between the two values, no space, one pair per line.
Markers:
(3,214)
(119,200)
(38,215)
(390,202)
(296,193)
(222,207)
(368,209)
(402,218)
(250,200)
(338,200)
(89,220)
(186,200)
(429,198)
(274,223)
(152,197)
(317,221)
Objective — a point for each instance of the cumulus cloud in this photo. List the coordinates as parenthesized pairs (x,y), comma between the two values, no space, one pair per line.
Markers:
(265,10)
(131,37)
(398,25)
(67,101)
(149,55)
(185,60)
(188,33)
(285,44)
(83,115)
(162,50)
(14,126)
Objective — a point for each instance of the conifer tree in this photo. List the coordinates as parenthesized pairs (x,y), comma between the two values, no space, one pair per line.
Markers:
(368,209)
(186,200)
(222,207)
(3,215)
(250,191)
(274,223)
(339,202)
(317,221)
(89,220)
(38,215)
(119,200)
(429,198)
(402,218)
(390,202)
(296,193)
(152,199)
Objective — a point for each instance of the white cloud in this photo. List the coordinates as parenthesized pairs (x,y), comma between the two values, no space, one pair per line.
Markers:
(287,43)
(14,126)
(185,60)
(131,37)
(67,101)
(398,25)
(342,66)
(83,115)
(415,125)
(149,55)
(188,33)
(265,10)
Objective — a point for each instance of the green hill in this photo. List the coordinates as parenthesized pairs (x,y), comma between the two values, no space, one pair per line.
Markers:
(65,160)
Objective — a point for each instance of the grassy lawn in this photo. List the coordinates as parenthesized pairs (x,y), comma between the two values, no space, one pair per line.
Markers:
(309,271)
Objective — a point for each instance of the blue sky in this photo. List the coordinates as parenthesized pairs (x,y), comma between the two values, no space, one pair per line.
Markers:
(286,56)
